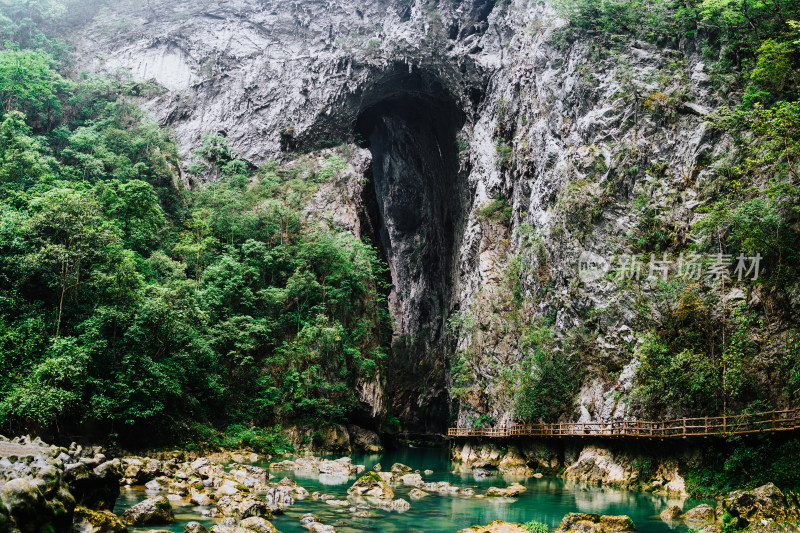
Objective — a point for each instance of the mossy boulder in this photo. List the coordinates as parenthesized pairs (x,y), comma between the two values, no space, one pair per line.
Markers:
(151,512)
(701,513)
(766,503)
(89,521)
(371,484)
(38,504)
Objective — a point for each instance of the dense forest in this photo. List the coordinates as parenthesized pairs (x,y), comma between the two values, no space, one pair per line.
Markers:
(129,300)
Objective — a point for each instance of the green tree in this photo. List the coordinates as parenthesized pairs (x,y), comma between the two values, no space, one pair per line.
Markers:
(68,238)
(23,158)
(133,207)
(28,83)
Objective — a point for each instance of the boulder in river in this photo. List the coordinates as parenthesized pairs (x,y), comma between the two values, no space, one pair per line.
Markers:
(194,527)
(277,498)
(414,480)
(371,484)
(442,487)
(498,526)
(701,513)
(512,491)
(671,514)
(153,511)
(400,468)
(88,521)
(594,523)
(291,487)
(400,505)
(416,494)
(240,506)
(200,498)
(258,524)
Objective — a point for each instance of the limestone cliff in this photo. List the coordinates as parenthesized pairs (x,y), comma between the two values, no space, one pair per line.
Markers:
(463,105)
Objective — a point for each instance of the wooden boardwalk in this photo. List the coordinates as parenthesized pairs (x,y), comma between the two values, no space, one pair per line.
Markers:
(678,428)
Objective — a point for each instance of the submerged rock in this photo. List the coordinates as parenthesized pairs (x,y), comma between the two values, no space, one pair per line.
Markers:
(416,494)
(442,487)
(594,523)
(312,523)
(513,490)
(153,511)
(399,505)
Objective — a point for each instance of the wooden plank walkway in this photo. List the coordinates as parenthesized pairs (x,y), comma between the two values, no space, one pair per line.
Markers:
(770,421)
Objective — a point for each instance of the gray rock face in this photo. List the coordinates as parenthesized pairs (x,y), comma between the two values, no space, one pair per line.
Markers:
(458,103)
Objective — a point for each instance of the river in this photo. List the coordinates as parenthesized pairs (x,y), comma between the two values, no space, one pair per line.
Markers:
(546,500)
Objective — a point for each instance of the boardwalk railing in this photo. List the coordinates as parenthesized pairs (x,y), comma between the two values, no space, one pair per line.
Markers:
(679,427)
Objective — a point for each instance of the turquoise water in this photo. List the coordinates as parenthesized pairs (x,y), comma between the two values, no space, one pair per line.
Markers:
(547,500)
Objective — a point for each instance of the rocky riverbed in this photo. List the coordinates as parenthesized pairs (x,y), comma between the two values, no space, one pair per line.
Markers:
(76,489)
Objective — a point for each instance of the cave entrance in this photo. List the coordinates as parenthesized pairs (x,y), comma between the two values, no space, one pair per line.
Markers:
(410,125)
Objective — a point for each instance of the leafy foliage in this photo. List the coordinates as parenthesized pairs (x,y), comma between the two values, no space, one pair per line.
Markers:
(496,210)
(535,527)
(549,381)
(127,300)
(741,464)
